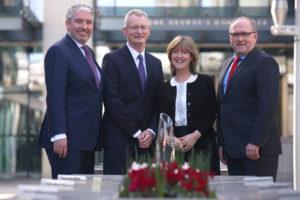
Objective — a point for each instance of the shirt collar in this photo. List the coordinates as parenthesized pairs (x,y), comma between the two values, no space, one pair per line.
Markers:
(135,53)
(77,43)
(191,79)
(241,57)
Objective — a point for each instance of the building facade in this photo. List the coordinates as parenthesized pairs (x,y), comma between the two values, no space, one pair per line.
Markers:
(24,40)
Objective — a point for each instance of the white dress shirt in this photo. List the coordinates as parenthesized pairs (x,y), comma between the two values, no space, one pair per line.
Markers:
(180,105)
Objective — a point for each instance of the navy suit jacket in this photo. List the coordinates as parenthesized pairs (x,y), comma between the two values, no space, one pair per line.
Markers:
(247,111)
(74,102)
(127,108)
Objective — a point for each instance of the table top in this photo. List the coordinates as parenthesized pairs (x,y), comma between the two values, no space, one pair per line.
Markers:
(107,186)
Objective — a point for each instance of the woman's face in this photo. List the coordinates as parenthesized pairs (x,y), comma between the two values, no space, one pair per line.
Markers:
(181,58)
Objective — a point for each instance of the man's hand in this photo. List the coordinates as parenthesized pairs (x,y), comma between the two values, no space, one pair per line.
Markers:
(188,141)
(60,147)
(224,161)
(145,139)
(252,151)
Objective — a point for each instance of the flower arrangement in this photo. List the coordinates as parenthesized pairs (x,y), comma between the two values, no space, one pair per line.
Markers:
(165,180)
(171,176)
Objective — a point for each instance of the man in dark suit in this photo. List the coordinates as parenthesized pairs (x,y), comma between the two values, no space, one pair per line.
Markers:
(132,79)
(248,137)
(70,132)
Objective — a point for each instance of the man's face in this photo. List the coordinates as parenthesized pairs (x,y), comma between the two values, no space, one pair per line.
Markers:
(137,30)
(241,36)
(81,26)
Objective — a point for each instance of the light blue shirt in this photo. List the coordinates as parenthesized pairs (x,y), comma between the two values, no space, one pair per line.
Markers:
(228,70)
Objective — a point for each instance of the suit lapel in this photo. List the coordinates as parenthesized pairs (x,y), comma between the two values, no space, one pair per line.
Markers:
(75,51)
(243,65)
(223,71)
(149,70)
(132,66)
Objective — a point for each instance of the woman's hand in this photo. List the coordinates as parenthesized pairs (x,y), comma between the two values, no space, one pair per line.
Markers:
(178,145)
(188,141)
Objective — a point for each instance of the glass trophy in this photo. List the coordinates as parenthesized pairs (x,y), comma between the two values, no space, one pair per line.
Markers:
(165,142)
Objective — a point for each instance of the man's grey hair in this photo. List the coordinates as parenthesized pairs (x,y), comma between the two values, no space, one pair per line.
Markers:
(137,12)
(252,22)
(77,7)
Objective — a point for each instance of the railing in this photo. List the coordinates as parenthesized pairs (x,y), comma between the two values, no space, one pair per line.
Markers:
(193,11)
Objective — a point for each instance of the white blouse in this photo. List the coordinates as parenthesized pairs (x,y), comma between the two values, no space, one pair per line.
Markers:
(180,105)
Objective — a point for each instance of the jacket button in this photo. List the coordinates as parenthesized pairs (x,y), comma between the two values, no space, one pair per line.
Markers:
(188,103)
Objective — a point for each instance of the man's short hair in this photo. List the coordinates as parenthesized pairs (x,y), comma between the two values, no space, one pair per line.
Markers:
(77,7)
(137,12)
(252,22)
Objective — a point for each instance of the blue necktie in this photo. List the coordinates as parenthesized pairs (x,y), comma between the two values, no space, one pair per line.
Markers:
(91,62)
(141,70)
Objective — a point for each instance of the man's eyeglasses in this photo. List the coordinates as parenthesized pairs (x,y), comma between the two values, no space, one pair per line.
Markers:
(136,28)
(243,34)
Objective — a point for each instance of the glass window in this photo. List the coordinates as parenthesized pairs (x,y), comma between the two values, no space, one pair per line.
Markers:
(21,86)
(254,3)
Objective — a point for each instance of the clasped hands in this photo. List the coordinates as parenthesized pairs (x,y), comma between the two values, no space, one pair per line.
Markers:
(186,142)
(145,139)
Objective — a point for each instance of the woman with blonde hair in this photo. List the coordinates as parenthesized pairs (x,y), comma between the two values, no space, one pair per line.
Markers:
(189,99)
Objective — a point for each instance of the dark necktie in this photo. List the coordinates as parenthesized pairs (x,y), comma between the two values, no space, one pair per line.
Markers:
(141,70)
(91,62)
(233,67)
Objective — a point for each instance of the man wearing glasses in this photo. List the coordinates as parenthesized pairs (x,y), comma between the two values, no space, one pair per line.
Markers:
(249,142)
(132,79)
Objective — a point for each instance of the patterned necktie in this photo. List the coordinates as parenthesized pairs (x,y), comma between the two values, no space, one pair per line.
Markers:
(91,62)
(141,70)
(233,67)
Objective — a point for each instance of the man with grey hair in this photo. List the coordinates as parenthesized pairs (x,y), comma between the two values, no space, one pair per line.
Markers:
(132,78)
(248,137)
(70,132)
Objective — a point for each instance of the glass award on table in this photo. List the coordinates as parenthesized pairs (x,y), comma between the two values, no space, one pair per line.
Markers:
(165,142)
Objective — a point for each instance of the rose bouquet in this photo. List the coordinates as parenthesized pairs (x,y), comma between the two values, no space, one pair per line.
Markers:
(165,180)
(170,176)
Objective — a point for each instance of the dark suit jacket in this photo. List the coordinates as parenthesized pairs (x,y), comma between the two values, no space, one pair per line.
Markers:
(74,103)
(201,108)
(127,107)
(247,111)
